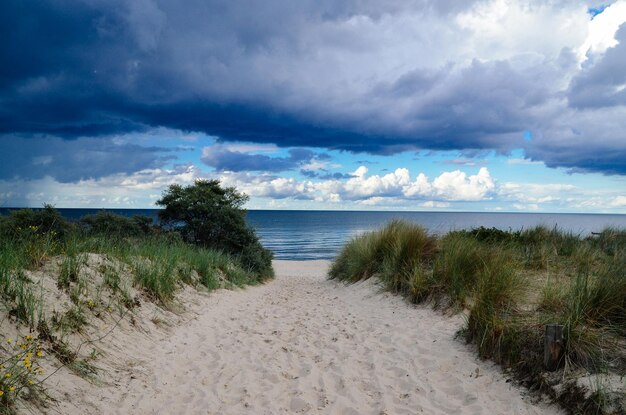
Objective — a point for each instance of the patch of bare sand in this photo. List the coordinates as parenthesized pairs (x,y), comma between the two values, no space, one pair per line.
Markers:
(302,344)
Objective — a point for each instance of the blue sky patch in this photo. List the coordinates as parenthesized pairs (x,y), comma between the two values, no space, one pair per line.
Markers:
(594,11)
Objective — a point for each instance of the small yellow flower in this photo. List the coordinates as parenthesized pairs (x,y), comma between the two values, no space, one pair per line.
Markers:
(41,372)
(29,354)
(39,353)
(29,337)
(7,375)
(9,340)
(1,393)
(30,382)
(12,388)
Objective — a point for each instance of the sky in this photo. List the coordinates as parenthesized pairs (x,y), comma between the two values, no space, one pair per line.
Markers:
(438,105)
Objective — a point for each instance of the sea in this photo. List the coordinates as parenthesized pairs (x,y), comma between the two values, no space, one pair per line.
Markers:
(305,234)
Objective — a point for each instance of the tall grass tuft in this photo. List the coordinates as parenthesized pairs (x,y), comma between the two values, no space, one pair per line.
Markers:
(70,269)
(356,260)
(16,291)
(595,308)
(611,241)
(157,277)
(407,250)
(397,253)
(491,323)
(457,265)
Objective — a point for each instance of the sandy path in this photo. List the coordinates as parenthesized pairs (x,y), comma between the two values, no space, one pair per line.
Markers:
(301,344)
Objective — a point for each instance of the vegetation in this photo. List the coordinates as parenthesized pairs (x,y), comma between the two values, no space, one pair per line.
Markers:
(19,368)
(106,264)
(211,216)
(510,285)
(116,226)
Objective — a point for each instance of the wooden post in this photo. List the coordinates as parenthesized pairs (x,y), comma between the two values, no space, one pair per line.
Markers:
(553,346)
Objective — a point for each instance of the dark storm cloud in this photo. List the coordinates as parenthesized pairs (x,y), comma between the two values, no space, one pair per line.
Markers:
(603,84)
(73,160)
(96,68)
(583,145)
(598,158)
(223,159)
(271,72)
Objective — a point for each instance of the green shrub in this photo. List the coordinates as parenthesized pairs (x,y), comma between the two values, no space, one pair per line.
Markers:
(113,225)
(211,216)
(42,221)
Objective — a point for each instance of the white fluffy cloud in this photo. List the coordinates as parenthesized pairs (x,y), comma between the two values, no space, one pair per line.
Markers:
(601,30)
(399,189)
(395,190)
(370,189)
(456,185)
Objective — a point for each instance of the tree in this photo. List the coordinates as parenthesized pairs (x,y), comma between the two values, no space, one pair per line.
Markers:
(212,216)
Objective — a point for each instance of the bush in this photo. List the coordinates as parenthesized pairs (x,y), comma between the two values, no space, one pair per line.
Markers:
(110,224)
(211,216)
(43,221)
(35,234)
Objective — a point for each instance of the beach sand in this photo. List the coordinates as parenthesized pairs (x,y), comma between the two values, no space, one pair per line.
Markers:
(302,344)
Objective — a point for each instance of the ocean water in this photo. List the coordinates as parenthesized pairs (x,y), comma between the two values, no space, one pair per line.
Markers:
(320,234)
(296,234)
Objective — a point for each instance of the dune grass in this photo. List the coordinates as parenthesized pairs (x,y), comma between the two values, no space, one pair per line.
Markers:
(158,262)
(161,263)
(511,284)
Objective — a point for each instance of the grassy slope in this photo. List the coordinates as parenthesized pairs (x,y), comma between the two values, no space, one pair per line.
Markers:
(511,284)
(53,282)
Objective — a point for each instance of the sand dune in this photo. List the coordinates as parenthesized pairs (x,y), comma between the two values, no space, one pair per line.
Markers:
(301,344)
